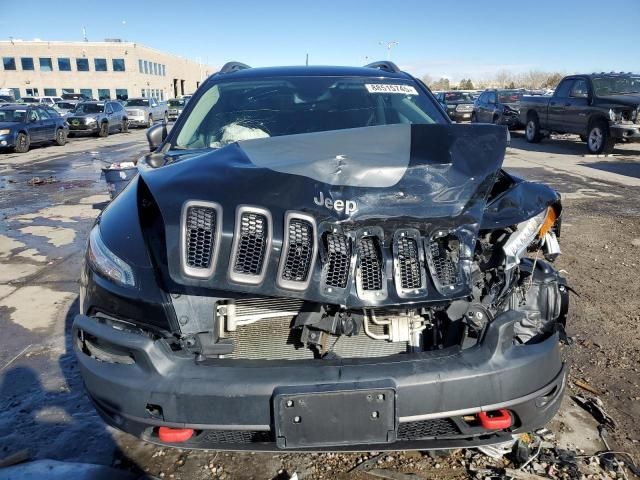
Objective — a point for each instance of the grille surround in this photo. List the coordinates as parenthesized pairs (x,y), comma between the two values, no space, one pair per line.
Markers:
(403,239)
(446,274)
(250,278)
(290,218)
(192,271)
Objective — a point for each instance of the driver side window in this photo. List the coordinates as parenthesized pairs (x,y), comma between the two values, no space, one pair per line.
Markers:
(579,89)
(33,116)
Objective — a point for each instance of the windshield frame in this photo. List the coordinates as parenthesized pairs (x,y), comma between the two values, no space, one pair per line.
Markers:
(14,109)
(170,143)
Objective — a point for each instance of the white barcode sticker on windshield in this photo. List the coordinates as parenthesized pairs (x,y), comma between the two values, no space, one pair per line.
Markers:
(388,88)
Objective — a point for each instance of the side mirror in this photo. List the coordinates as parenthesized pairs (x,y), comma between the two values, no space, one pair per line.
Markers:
(156,135)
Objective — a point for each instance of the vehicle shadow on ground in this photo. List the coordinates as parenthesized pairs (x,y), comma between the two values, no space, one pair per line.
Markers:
(570,145)
(628,169)
(57,423)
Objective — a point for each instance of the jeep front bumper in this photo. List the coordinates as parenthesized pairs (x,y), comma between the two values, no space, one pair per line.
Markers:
(428,398)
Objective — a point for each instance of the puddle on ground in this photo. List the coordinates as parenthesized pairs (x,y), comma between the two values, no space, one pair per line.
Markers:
(8,244)
(60,213)
(57,236)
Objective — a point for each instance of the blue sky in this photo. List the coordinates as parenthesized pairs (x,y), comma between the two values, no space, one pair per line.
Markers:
(456,39)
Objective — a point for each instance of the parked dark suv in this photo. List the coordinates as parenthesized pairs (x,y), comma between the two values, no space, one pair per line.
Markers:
(459,105)
(500,107)
(317,258)
(99,118)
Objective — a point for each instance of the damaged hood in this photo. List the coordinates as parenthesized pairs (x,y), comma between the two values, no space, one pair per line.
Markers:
(430,178)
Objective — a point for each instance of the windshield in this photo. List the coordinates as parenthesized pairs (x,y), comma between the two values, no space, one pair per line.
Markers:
(616,85)
(233,111)
(509,97)
(176,103)
(29,100)
(89,108)
(66,105)
(137,102)
(458,97)
(13,115)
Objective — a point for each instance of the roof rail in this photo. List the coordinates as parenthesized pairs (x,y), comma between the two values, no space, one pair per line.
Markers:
(384,65)
(231,67)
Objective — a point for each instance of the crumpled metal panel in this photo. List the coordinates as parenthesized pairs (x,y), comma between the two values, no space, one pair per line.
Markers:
(435,178)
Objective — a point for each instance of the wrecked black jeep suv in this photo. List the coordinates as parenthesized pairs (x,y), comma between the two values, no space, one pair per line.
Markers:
(317,258)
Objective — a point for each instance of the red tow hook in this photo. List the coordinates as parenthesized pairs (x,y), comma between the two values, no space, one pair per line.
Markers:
(174,435)
(495,419)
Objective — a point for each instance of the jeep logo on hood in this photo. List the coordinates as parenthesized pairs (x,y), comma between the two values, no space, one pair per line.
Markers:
(346,206)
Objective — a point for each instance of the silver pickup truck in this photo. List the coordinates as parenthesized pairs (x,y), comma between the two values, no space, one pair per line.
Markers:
(143,112)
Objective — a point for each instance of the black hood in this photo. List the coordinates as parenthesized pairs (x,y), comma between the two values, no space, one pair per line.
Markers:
(430,178)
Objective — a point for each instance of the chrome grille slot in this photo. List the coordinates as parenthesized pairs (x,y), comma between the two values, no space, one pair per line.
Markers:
(444,259)
(409,263)
(201,225)
(251,244)
(298,252)
(200,233)
(370,264)
(338,260)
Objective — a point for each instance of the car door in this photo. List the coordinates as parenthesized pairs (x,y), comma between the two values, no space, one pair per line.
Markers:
(557,111)
(48,124)
(111,117)
(578,108)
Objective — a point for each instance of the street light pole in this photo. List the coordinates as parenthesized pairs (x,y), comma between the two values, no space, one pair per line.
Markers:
(389,46)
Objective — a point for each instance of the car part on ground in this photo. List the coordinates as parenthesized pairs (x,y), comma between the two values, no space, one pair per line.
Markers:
(337,282)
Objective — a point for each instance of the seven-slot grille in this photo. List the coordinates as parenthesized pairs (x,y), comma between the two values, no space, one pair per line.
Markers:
(200,236)
(299,254)
(250,254)
(370,264)
(409,263)
(337,265)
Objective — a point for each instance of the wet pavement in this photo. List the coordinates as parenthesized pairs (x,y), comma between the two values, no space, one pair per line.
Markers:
(43,230)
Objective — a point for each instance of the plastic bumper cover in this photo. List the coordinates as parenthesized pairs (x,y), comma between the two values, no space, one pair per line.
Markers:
(231,403)
(629,132)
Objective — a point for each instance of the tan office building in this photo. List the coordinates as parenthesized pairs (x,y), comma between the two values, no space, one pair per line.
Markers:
(109,69)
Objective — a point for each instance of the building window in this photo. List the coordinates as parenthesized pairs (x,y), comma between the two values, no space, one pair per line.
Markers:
(68,90)
(16,93)
(87,92)
(9,63)
(64,64)
(82,64)
(164,70)
(122,94)
(27,63)
(100,64)
(118,64)
(50,92)
(104,94)
(140,69)
(45,64)
(146,67)
(162,95)
(155,69)
(32,92)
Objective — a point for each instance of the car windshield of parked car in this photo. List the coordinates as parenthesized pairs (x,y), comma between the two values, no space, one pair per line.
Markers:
(66,105)
(16,115)
(509,97)
(89,108)
(29,100)
(176,103)
(137,102)
(458,97)
(603,86)
(232,111)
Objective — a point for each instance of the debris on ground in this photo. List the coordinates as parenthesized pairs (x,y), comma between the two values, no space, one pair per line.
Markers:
(42,180)
(595,407)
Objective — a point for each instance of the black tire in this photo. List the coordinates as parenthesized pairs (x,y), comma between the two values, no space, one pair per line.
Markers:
(104,130)
(61,137)
(599,139)
(474,118)
(166,117)
(532,129)
(124,126)
(150,121)
(494,120)
(22,143)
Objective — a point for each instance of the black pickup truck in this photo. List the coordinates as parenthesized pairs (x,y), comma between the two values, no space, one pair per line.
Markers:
(603,108)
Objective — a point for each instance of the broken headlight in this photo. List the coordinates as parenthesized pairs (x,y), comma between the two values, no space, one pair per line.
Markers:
(106,263)
(537,228)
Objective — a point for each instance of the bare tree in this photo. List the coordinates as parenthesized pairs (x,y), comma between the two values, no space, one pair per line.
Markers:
(427,79)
